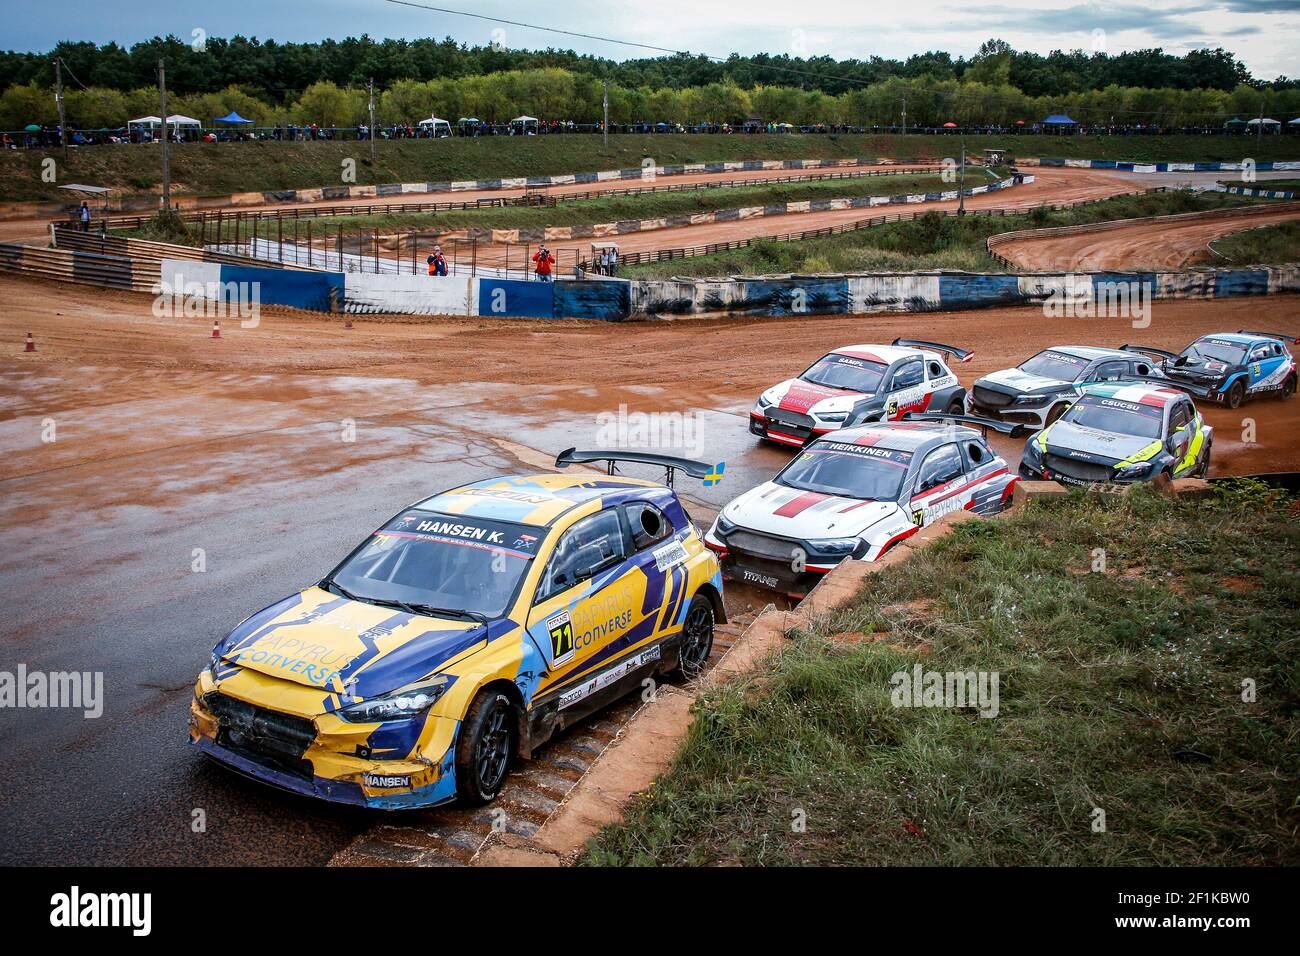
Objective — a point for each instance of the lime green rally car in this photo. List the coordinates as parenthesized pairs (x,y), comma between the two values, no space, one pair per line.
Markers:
(1122,432)
(462,634)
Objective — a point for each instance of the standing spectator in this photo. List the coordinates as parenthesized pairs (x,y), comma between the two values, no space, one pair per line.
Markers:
(83,217)
(611,261)
(545,261)
(437,263)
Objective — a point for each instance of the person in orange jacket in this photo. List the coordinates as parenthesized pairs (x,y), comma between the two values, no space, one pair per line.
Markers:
(545,262)
(437,264)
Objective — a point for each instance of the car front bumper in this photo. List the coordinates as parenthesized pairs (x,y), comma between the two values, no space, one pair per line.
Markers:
(326,773)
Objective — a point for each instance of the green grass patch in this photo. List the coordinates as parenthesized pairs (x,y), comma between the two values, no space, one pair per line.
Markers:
(1120,690)
(931,241)
(1267,245)
(219,168)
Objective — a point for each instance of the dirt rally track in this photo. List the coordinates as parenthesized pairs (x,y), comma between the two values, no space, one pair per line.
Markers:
(169,441)
(1140,244)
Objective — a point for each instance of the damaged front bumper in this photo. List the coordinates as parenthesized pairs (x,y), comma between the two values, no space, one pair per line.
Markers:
(270,755)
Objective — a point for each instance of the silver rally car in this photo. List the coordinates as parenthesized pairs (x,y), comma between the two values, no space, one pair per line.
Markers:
(1039,389)
(1121,432)
(857,493)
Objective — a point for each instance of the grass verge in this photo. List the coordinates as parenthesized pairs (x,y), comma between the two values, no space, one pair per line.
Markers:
(1268,245)
(928,242)
(1120,690)
(218,168)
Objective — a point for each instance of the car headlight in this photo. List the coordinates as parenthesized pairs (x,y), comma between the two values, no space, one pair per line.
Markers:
(398,705)
(832,416)
(723,526)
(1033,453)
(835,546)
(1024,400)
(214,662)
(1135,472)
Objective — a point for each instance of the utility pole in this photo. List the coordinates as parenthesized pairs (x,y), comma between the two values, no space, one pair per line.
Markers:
(166,163)
(58,100)
(1260,137)
(372,119)
(904,112)
(605,102)
(961,178)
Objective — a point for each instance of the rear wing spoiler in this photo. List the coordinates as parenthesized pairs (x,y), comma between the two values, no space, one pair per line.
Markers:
(1270,335)
(1200,391)
(709,474)
(985,425)
(1145,350)
(961,355)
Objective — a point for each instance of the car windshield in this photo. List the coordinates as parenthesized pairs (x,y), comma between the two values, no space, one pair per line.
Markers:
(1055,365)
(848,470)
(457,565)
(1112,415)
(847,372)
(1217,350)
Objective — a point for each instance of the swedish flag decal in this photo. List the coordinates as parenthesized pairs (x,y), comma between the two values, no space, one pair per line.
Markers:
(715,476)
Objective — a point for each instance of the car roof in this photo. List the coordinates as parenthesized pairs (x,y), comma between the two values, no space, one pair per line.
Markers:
(538,499)
(902,436)
(1138,392)
(884,354)
(1089,352)
(1239,338)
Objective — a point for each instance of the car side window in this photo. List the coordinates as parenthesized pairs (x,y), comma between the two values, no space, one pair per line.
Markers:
(589,547)
(649,525)
(908,374)
(1179,417)
(1109,372)
(941,465)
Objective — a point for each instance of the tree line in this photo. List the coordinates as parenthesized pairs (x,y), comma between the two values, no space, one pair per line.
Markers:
(107,85)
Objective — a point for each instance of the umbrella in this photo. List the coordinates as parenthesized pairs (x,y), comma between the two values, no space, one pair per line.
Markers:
(1020,122)
(31,128)
(949,125)
(231,117)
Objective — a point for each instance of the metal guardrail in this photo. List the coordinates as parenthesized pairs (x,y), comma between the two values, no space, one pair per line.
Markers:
(86,268)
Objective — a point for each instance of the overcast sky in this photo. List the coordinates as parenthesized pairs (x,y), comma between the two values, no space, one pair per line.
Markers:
(1265,34)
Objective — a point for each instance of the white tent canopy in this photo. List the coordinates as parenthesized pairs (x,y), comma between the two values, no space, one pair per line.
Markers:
(524,119)
(1266,121)
(145,121)
(435,122)
(176,119)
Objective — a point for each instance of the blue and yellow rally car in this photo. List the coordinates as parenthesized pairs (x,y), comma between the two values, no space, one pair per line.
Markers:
(463,633)
(1229,367)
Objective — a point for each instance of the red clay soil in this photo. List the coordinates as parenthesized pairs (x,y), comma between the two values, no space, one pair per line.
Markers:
(1140,245)
(1050,186)
(96,348)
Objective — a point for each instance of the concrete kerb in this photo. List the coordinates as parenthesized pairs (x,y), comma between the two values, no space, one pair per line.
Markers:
(649,742)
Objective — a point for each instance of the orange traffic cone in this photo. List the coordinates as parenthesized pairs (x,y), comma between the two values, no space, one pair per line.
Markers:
(31,343)
(347,324)
(216,328)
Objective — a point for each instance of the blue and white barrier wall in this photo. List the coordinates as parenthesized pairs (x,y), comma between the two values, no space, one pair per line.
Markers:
(616,300)
(1135,167)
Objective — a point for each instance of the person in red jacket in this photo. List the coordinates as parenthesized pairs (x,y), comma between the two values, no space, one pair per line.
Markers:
(545,263)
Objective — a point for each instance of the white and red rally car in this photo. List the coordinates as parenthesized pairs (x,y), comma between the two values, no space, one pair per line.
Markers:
(856,494)
(858,384)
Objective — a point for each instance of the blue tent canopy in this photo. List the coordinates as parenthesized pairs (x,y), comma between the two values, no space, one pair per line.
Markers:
(1059,119)
(231,117)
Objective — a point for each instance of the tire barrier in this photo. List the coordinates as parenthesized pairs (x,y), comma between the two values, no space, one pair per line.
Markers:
(85,268)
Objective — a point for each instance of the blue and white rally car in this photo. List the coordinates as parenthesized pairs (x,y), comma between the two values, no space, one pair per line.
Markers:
(1232,366)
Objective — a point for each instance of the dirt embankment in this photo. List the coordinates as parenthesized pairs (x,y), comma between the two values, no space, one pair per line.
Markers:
(1140,244)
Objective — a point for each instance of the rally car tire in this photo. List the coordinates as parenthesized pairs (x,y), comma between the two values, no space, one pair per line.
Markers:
(957,407)
(486,747)
(1288,388)
(1055,412)
(1204,470)
(697,639)
(1236,394)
